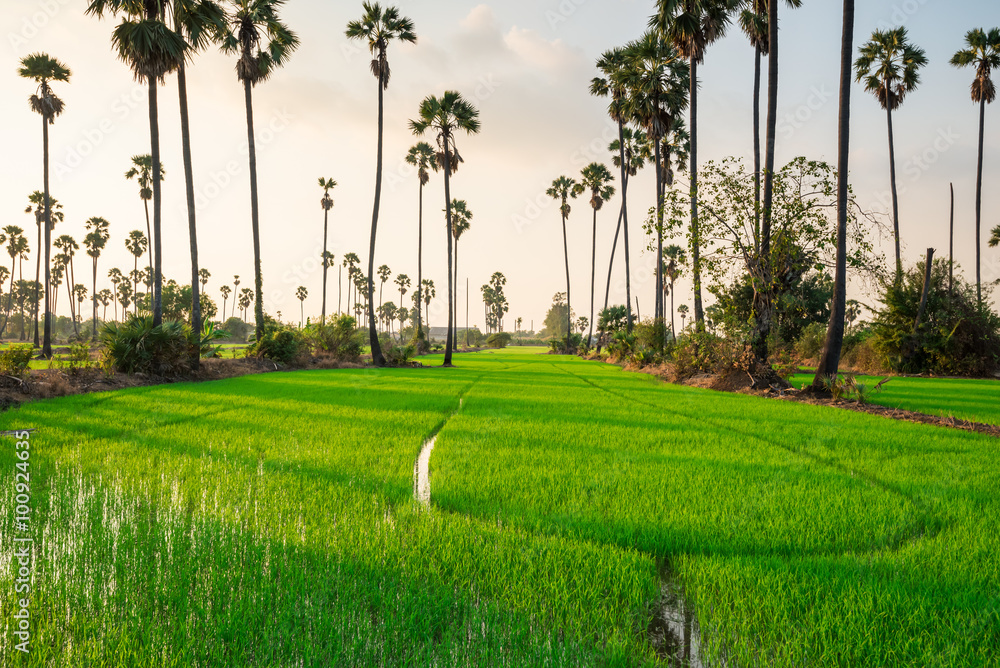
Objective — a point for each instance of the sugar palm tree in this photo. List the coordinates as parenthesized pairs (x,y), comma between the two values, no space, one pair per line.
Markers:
(17,248)
(829,362)
(105,296)
(136,244)
(198,23)
(116,277)
(151,49)
(673,259)
(562,189)
(378,27)
(428,293)
(889,66)
(301,293)
(982,51)
(203,276)
(445,116)
(142,170)
(403,283)
(95,241)
(596,178)
(657,79)
(351,260)
(326,204)
(36,205)
(43,69)
(612,64)
(691,26)
(225,291)
(995,237)
(69,247)
(384,274)
(421,156)
(236,291)
(461,221)
(263,43)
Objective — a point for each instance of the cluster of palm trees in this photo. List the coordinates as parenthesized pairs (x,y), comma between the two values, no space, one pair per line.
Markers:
(653,80)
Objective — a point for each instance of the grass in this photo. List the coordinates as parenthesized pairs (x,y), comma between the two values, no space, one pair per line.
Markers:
(268,520)
(966,399)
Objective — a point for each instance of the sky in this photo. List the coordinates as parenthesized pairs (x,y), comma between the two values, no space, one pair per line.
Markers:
(526,64)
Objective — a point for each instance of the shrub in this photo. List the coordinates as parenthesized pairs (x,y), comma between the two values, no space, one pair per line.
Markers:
(136,346)
(499,340)
(559,346)
(14,360)
(79,357)
(397,355)
(810,344)
(650,334)
(282,345)
(340,337)
(621,345)
(209,335)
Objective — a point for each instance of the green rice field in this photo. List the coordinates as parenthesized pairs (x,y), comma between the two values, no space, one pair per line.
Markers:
(270,520)
(962,398)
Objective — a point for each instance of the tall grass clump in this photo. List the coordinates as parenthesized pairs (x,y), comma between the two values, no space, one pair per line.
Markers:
(136,346)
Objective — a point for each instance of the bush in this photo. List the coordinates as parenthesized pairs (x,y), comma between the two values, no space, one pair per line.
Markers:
(650,334)
(14,360)
(79,357)
(282,345)
(701,352)
(136,346)
(559,346)
(499,340)
(810,344)
(238,331)
(397,355)
(340,338)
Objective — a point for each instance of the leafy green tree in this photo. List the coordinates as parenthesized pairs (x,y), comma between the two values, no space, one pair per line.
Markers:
(95,241)
(889,66)
(445,116)
(263,43)
(421,156)
(558,319)
(674,259)
(379,27)
(982,51)
(327,204)
(562,189)
(596,178)
(43,69)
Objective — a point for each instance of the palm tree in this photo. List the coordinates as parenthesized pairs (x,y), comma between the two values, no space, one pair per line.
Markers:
(36,205)
(95,241)
(225,291)
(80,292)
(17,248)
(69,247)
(673,258)
(116,277)
(446,116)
(402,282)
(889,66)
(829,362)
(421,156)
(402,315)
(197,22)
(151,50)
(428,293)
(631,151)
(263,44)
(596,178)
(350,261)
(326,203)
(136,244)
(379,27)
(683,310)
(612,64)
(43,69)
(995,237)
(301,293)
(203,276)
(236,291)
(105,296)
(384,274)
(562,189)
(657,80)
(691,26)
(982,51)
(461,221)
(142,170)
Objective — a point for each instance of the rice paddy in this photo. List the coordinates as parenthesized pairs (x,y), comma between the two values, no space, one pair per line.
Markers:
(270,520)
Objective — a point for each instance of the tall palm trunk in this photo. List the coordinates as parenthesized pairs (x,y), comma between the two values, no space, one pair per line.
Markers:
(377,358)
(94,295)
(979,203)
(593,277)
(71,285)
(420,263)
(895,200)
(149,237)
(830,360)
(762,292)
(254,218)
(154,136)
(673,322)
(611,266)
(455,326)
(658,302)
(340,288)
(192,218)
(47,332)
(951,244)
(326,221)
(381,285)
(699,311)
(569,309)
(756,137)
(449,341)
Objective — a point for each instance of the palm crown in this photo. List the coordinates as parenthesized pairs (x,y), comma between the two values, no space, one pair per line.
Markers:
(263,42)
(422,156)
(43,69)
(378,27)
(142,171)
(596,178)
(461,217)
(889,66)
(691,25)
(659,82)
(753,22)
(562,189)
(637,151)
(143,41)
(982,51)
(327,185)
(446,115)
